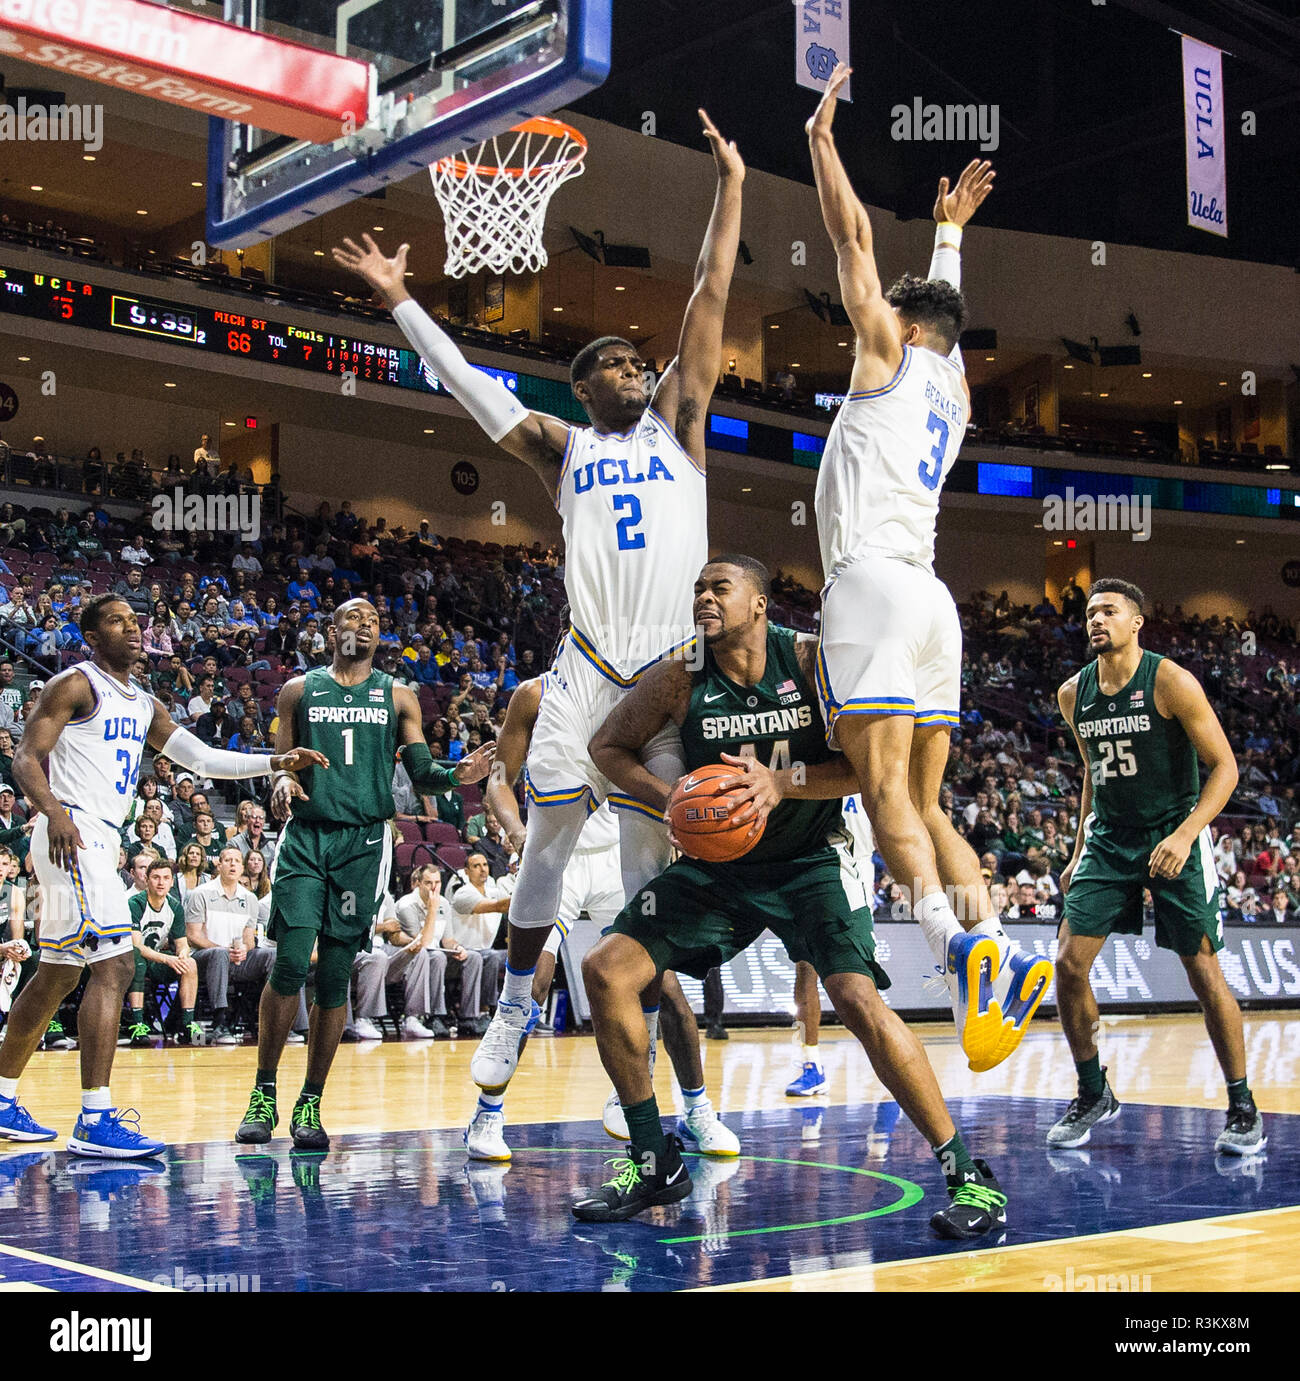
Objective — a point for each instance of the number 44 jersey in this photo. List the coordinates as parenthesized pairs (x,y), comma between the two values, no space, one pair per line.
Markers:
(887,456)
(635,537)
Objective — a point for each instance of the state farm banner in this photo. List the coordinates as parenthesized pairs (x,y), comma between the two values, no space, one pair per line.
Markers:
(1204,116)
(821,40)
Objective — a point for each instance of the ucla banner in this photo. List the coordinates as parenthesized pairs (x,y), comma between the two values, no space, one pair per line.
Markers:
(821,40)
(1204,116)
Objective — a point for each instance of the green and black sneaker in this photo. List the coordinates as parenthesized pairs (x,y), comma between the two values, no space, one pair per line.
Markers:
(260,1120)
(56,1038)
(308,1134)
(193,1034)
(637,1185)
(977,1205)
(140,1036)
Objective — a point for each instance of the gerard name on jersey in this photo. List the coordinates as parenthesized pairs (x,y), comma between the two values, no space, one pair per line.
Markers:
(756,725)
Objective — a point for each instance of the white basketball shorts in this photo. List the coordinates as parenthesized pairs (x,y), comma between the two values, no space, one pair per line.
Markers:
(84,913)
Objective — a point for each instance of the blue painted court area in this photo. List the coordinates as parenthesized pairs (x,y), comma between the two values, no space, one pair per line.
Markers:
(817,1188)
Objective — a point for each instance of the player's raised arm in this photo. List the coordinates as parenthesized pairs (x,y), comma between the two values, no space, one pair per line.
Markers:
(533,437)
(1180,694)
(663,693)
(512,749)
(952,209)
(682,397)
(850,230)
(66,697)
(425,774)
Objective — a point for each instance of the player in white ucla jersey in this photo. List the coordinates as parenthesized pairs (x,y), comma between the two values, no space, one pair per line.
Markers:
(92,725)
(811,1077)
(630,489)
(592,883)
(889,664)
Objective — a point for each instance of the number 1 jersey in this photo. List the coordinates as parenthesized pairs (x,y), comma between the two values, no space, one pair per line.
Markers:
(635,520)
(887,456)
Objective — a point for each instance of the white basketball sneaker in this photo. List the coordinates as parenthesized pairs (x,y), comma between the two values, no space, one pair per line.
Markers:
(497,1056)
(704,1131)
(614,1121)
(485,1137)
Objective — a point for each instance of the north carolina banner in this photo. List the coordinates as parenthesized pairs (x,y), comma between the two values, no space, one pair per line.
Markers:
(1204,116)
(821,40)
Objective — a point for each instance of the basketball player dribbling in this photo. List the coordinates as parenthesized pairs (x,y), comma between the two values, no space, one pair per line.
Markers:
(889,662)
(753,706)
(630,490)
(592,883)
(92,723)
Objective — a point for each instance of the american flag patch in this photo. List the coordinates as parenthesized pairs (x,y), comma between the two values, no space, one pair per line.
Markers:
(786,687)
(1135,698)
(377,694)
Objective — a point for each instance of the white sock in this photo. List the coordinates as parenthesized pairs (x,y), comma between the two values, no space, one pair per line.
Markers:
(95,1102)
(491,1102)
(810,1056)
(938,925)
(651,1015)
(9,1088)
(693,1098)
(519,987)
(993,929)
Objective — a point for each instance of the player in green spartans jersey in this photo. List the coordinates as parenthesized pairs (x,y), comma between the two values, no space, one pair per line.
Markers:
(1144,820)
(753,705)
(333,860)
(162,955)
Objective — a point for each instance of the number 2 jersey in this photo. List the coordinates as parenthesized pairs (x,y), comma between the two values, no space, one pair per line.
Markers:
(1143,766)
(635,537)
(356,728)
(887,456)
(779,723)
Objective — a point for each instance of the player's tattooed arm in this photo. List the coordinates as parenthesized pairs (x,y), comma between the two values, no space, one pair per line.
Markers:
(512,748)
(1179,695)
(683,393)
(67,696)
(1065,698)
(879,350)
(662,694)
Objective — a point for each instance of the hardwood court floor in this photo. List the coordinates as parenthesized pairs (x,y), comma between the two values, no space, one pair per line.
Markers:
(833,1193)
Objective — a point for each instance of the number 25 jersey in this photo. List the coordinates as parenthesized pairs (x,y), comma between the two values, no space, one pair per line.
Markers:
(887,456)
(635,520)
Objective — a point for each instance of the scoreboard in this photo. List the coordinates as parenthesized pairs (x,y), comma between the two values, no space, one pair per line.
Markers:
(220,332)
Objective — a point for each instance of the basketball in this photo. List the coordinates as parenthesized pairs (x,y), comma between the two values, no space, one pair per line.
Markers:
(699,814)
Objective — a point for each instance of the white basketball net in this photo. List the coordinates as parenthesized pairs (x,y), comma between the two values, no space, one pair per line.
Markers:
(494,197)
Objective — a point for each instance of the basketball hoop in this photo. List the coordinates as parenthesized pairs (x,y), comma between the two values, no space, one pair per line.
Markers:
(494,197)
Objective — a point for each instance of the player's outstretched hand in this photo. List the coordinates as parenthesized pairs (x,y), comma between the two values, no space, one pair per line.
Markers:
(974,184)
(475,767)
(824,115)
(298,758)
(65,840)
(725,154)
(283,794)
(755,787)
(386,276)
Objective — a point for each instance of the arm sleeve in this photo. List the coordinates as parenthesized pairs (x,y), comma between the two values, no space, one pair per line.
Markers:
(425,774)
(183,748)
(945,265)
(487,400)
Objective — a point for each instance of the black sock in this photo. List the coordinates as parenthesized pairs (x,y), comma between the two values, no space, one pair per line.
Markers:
(644,1129)
(310,1090)
(1092,1078)
(955,1160)
(266,1081)
(187,1016)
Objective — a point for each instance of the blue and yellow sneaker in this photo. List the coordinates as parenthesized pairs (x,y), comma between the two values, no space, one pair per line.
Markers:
(113,1135)
(812,1079)
(17,1124)
(1019,987)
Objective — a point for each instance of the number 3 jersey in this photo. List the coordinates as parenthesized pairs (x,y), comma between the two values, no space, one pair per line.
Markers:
(887,456)
(95,762)
(635,537)
(1143,766)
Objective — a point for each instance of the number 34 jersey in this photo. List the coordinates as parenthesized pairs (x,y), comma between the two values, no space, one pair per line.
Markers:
(95,762)
(635,536)
(887,456)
